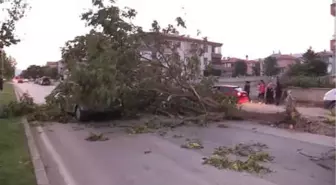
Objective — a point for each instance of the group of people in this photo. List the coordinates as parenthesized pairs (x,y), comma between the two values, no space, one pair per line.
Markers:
(270,93)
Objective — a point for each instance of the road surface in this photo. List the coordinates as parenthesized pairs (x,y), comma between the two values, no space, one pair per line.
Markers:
(122,159)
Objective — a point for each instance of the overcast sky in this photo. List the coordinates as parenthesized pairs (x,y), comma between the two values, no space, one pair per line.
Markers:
(245,27)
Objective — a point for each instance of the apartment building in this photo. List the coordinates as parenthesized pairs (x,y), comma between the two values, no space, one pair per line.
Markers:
(185,44)
(58,64)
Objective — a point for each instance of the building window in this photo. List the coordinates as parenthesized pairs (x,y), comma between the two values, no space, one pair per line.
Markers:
(205,62)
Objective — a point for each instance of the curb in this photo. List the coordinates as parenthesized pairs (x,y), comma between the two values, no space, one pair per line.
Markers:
(39,167)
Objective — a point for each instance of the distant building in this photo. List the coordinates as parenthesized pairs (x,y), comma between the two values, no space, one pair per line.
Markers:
(227,65)
(58,64)
(284,61)
(52,64)
(212,50)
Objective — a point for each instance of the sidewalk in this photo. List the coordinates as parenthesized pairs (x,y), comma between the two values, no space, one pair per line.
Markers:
(265,108)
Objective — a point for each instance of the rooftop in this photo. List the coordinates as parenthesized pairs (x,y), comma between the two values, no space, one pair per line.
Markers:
(186,39)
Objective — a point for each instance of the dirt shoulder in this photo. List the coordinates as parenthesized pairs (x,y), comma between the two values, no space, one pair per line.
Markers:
(314,119)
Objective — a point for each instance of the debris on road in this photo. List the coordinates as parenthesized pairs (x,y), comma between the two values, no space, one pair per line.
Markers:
(221,158)
(192,144)
(96,137)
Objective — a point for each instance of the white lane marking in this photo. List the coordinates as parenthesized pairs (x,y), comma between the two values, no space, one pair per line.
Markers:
(68,179)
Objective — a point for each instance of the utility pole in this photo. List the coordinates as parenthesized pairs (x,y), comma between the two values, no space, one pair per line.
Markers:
(2,61)
(332,42)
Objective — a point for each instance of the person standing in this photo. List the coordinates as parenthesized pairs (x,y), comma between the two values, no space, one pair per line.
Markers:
(269,96)
(261,90)
(278,92)
(247,88)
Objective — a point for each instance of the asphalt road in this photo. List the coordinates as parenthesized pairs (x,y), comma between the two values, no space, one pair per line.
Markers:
(122,159)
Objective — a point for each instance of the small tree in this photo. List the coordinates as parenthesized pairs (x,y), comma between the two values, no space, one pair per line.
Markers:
(256,69)
(11,11)
(271,66)
(9,64)
(312,66)
(240,68)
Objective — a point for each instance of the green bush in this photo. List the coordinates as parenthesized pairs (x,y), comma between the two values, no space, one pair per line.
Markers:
(308,82)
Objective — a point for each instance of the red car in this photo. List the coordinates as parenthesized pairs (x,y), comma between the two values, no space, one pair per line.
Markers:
(232,90)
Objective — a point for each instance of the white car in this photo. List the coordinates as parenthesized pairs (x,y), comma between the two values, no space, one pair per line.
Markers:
(329,99)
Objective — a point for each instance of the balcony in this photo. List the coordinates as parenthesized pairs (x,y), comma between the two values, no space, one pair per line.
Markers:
(216,55)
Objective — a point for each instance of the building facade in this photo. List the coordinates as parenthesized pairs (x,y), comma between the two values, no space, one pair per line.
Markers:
(185,46)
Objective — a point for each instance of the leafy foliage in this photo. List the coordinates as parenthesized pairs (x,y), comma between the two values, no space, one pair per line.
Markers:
(240,68)
(14,108)
(9,64)
(271,66)
(13,11)
(253,152)
(107,69)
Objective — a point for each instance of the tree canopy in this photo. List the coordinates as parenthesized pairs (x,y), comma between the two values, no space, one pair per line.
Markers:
(240,68)
(9,66)
(35,71)
(271,66)
(11,12)
(312,65)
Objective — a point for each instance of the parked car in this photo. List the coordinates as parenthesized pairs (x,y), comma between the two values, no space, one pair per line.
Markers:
(36,81)
(235,91)
(45,81)
(329,99)
(80,110)
(20,81)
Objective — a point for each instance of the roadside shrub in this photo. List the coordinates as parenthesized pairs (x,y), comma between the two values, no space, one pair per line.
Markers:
(25,106)
(308,82)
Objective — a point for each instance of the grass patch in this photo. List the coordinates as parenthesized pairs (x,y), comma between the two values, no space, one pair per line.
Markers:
(7,95)
(15,164)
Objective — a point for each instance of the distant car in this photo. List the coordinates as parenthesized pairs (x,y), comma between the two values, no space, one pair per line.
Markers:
(45,81)
(20,81)
(234,91)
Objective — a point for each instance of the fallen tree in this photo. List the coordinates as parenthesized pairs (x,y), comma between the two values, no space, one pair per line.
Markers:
(106,68)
